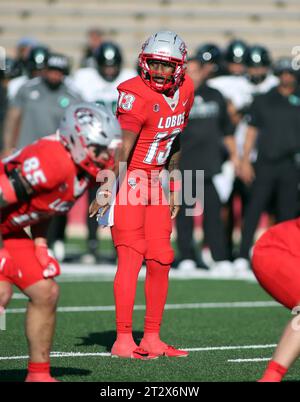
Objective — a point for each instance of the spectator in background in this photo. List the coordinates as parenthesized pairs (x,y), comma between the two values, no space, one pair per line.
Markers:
(274,126)
(210,56)
(94,40)
(209,127)
(3,105)
(100,85)
(10,72)
(24,45)
(33,66)
(39,105)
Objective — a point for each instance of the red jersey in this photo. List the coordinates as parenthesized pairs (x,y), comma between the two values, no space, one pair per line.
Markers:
(55,179)
(155,118)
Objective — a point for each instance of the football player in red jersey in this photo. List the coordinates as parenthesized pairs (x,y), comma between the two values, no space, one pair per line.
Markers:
(153,109)
(39,181)
(276,263)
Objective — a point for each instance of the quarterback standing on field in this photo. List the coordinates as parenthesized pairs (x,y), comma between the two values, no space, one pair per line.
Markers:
(153,109)
(99,85)
(39,181)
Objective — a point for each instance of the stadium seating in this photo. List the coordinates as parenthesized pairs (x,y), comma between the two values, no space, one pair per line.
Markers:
(63,24)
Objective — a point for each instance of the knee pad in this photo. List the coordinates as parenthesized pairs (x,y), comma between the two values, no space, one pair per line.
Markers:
(160,250)
(130,238)
(139,245)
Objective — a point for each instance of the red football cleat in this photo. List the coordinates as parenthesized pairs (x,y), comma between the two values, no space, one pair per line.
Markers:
(129,353)
(162,349)
(40,377)
(173,352)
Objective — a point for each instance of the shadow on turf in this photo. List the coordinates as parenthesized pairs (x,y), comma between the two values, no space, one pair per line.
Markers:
(105,339)
(57,372)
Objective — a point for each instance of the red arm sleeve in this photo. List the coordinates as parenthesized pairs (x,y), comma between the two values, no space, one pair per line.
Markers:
(130,110)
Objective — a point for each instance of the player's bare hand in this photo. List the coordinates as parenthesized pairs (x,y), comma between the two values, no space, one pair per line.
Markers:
(93,208)
(102,201)
(174,205)
(174,211)
(236,164)
(247,173)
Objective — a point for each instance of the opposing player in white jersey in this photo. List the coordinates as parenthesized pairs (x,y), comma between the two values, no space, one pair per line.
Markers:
(100,85)
(240,90)
(258,79)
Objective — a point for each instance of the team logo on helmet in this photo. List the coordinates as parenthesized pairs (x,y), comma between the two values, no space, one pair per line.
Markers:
(84,116)
(146,43)
(182,49)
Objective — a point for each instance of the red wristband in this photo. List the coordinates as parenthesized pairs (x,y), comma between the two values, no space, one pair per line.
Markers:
(175,186)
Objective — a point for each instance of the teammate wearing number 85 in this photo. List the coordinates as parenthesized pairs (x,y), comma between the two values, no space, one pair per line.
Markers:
(153,109)
(42,180)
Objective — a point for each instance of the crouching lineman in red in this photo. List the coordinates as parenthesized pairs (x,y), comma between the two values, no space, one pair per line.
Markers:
(153,109)
(276,264)
(42,180)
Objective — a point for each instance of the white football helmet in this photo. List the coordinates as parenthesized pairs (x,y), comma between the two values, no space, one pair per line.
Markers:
(86,124)
(164,46)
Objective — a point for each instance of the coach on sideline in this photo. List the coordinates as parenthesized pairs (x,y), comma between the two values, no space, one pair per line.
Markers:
(274,126)
(39,105)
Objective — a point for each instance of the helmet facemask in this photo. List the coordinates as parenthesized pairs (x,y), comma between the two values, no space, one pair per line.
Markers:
(172,80)
(100,155)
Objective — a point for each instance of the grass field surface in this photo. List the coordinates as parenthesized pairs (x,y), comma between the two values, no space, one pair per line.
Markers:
(230,328)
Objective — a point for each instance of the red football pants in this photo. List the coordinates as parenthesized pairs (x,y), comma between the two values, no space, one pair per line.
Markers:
(28,269)
(141,231)
(276,263)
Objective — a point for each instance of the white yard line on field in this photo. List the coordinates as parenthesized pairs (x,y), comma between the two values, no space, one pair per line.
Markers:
(257,359)
(19,296)
(59,354)
(246,347)
(103,354)
(71,272)
(184,306)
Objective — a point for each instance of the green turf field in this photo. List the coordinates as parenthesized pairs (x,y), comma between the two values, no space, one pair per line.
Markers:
(204,327)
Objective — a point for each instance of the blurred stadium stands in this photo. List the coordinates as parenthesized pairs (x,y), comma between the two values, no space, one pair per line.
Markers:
(62,24)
